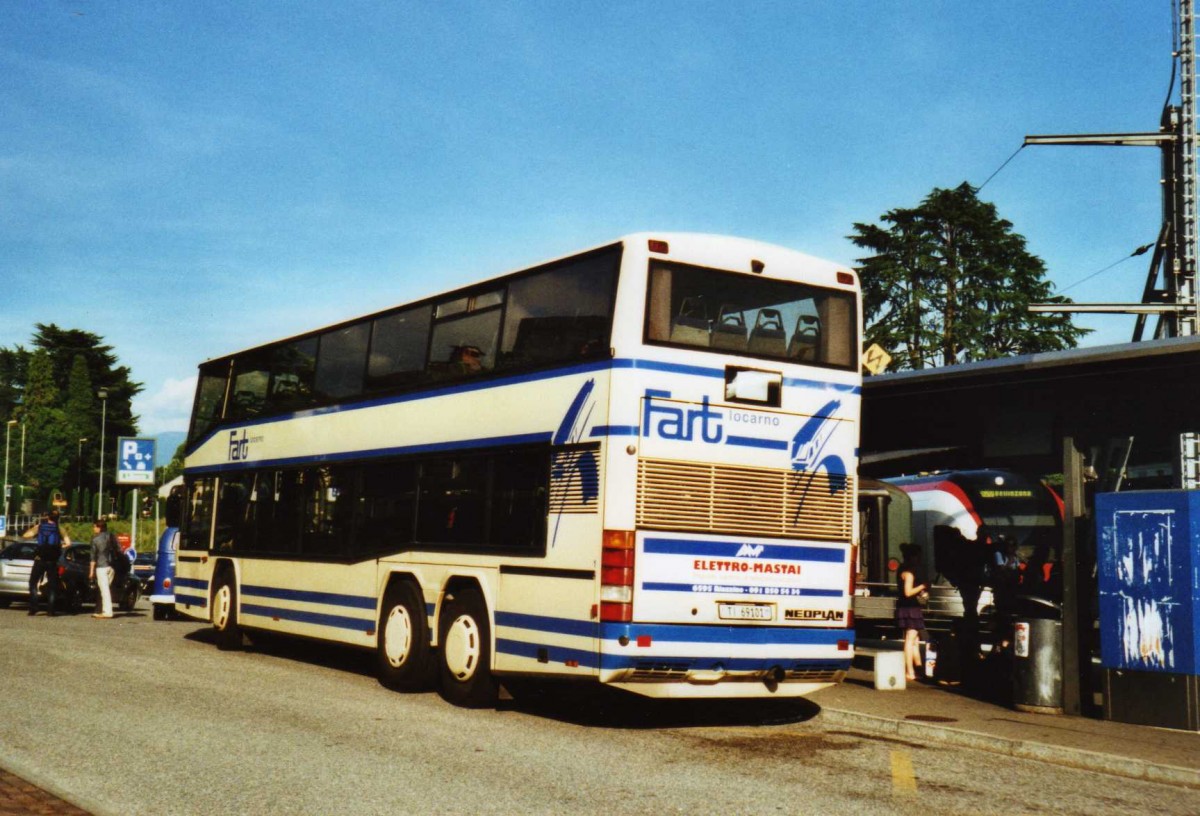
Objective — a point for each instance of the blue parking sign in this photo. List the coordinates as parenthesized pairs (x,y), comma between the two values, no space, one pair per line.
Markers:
(135,461)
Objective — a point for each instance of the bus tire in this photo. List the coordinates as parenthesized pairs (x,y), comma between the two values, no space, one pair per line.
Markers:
(404,659)
(464,636)
(224,614)
(163,612)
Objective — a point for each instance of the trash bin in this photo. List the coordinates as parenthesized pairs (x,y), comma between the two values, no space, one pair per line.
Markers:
(1037,665)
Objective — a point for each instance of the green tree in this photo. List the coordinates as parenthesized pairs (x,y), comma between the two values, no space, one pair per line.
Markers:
(950,282)
(48,438)
(173,468)
(81,410)
(64,345)
(78,412)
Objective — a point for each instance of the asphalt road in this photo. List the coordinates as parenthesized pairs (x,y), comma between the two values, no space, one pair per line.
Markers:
(133,716)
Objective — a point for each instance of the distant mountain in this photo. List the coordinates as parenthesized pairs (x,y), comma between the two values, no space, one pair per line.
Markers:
(167,444)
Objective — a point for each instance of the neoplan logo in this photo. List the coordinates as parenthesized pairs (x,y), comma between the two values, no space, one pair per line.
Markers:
(814,615)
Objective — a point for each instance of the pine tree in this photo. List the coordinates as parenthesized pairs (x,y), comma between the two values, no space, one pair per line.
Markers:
(48,439)
(950,282)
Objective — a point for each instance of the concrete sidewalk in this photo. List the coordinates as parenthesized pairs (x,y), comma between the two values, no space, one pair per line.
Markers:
(932,713)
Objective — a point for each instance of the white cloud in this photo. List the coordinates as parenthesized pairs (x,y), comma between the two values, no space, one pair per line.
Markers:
(167,409)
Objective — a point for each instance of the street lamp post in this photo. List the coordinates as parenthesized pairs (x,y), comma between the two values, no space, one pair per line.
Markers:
(79,476)
(7,434)
(103,395)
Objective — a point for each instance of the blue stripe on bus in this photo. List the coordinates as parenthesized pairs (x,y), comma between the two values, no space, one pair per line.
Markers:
(191,583)
(751,635)
(191,600)
(306,596)
(500,382)
(753,442)
(758,592)
(318,618)
(435,447)
(704,371)
(542,623)
(734,664)
(615,430)
(680,633)
(546,653)
(730,549)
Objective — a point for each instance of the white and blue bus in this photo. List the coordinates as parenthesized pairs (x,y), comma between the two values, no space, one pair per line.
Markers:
(634,466)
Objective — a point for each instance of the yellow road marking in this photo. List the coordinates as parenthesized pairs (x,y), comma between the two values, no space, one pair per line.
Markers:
(903,780)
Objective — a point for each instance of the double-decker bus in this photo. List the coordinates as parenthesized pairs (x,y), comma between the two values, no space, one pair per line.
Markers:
(634,466)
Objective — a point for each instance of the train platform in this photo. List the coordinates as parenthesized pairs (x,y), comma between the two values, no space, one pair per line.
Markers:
(932,713)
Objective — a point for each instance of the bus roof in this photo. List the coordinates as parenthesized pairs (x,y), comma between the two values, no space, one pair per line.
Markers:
(722,250)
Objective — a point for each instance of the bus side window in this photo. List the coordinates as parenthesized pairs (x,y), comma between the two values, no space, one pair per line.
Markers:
(397,352)
(560,314)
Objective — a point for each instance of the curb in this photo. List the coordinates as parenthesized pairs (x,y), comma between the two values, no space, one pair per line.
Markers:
(1126,767)
(34,776)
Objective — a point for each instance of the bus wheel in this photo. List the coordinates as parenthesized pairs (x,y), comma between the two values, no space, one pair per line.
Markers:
(162,612)
(465,638)
(224,614)
(403,656)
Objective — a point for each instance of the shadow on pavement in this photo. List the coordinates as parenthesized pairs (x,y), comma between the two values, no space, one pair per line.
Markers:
(604,707)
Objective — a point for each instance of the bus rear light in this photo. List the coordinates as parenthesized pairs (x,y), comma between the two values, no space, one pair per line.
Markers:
(843,645)
(616,558)
(616,575)
(166,583)
(616,594)
(644,641)
(618,540)
(659,246)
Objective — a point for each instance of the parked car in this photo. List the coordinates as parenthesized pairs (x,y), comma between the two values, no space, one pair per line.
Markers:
(162,594)
(16,562)
(80,589)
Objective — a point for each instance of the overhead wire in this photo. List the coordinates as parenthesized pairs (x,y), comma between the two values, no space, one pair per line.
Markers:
(1142,250)
(1001,167)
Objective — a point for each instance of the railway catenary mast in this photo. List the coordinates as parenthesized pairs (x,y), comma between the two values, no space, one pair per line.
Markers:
(1173,300)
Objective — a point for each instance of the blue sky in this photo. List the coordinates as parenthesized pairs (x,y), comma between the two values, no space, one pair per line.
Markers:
(188,179)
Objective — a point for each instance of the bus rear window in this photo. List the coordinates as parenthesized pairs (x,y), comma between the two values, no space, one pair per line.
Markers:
(750,316)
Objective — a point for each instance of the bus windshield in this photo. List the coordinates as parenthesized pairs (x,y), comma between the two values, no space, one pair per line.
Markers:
(732,313)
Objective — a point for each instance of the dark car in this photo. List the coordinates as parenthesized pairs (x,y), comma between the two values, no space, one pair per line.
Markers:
(80,589)
(143,569)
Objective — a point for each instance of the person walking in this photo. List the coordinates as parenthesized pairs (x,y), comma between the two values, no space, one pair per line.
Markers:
(104,550)
(50,540)
(910,585)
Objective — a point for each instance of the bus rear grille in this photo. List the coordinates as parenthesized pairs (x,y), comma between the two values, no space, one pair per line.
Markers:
(815,674)
(773,502)
(659,670)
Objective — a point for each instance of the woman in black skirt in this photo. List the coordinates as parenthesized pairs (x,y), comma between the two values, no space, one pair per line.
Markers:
(910,585)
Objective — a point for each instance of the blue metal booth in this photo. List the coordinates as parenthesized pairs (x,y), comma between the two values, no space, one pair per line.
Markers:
(1148,560)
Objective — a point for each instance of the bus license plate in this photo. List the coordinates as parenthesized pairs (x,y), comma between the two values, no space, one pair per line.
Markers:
(730,611)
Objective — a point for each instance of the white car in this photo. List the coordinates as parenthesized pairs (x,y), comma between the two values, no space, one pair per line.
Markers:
(16,562)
